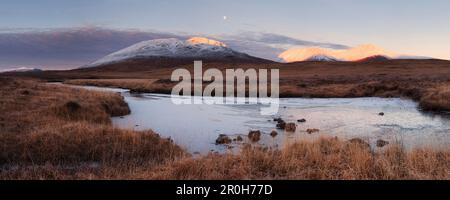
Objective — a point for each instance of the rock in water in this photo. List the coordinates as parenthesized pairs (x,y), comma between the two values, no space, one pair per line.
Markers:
(312,130)
(277,119)
(273,133)
(254,136)
(301,120)
(290,127)
(223,139)
(281,124)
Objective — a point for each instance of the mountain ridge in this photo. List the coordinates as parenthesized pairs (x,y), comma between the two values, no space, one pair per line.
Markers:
(196,48)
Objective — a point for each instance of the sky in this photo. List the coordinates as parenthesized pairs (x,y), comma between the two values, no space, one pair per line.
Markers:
(413,27)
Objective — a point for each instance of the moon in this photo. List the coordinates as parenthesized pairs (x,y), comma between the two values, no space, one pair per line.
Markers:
(225,17)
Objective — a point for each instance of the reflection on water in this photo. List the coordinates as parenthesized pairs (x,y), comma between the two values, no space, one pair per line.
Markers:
(196,127)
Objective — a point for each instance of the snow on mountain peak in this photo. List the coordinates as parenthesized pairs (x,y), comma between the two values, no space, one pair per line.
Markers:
(303,54)
(196,47)
(20,69)
(203,40)
(321,58)
(351,54)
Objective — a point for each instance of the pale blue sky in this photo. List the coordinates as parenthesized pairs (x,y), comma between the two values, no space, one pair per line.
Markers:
(411,27)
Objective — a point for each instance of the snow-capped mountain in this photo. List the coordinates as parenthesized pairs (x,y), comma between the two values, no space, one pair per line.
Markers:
(351,54)
(20,69)
(321,58)
(195,48)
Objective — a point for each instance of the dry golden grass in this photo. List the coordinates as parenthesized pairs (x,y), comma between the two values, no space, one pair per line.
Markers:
(81,148)
(119,83)
(436,98)
(323,159)
(48,126)
(44,136)
(73,143)
(28,103)
(326,158)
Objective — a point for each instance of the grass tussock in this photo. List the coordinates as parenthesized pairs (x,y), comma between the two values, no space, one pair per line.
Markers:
(436,98)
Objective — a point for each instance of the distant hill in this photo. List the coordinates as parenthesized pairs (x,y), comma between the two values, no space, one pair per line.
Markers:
(361,53)
(376,58)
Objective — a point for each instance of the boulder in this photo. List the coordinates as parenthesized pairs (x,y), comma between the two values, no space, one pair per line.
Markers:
(281,124)
(254,135)
(381,113)
(290,127)
(312,130)
(274,133)
(382,143)
(239,138)
(223,139)
(301,120)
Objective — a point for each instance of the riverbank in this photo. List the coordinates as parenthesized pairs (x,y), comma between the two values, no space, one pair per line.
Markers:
(57,132)
(431,96)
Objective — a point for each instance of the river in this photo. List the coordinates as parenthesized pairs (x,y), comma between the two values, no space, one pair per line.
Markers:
(196,127)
